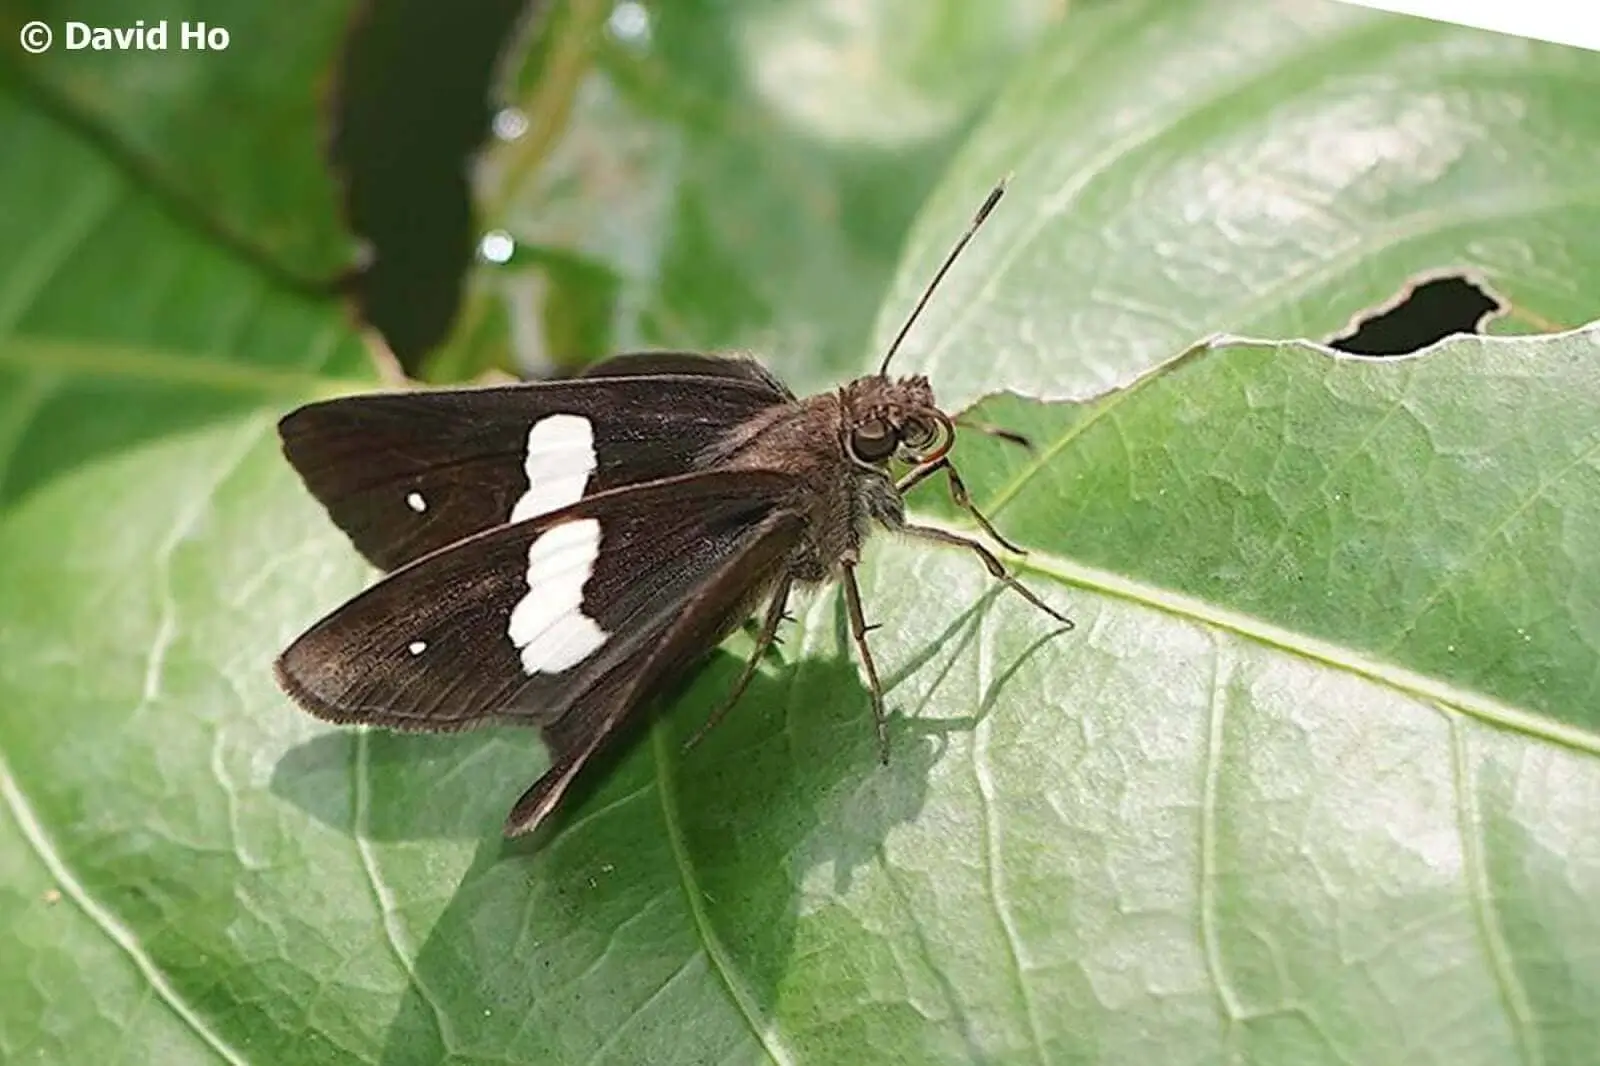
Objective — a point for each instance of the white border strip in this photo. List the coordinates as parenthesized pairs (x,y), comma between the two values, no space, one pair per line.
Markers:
(1574,22)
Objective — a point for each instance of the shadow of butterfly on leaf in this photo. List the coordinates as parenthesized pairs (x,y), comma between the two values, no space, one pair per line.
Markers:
(801,732)
(544,929)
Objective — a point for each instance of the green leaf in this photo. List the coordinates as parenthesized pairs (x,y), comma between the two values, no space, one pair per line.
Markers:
(1314,779)
(119,325)
(171,114)
(140,369)
(1189,168)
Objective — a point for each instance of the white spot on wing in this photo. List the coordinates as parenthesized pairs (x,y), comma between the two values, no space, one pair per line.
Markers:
(558,463)
(548,624)
(417,647)
(415,501)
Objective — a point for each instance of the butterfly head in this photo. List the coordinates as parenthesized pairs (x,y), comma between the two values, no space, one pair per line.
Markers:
(888,419)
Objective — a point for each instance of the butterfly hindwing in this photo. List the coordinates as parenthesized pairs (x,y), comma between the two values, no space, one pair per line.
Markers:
(529,621)
(718,603)
(404,474)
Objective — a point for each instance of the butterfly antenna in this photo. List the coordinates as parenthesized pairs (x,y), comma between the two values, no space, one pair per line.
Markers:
(977,220)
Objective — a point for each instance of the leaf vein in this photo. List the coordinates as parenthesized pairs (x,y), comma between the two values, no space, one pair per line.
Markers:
(992,863)
(1209,789)
(44,850)
(103,360)
(1331,470)
(382,898)
(1144,135)
(947,988)
(764,1032)
(1405,228)
(1095,410)
(25,403)
(166,631)
(1512,994)
(617,1033)
(38,267)
(615,934)
(1584,458)
(1031,469)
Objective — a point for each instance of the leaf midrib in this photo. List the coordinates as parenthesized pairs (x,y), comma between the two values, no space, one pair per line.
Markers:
(99,360)
(1416,686)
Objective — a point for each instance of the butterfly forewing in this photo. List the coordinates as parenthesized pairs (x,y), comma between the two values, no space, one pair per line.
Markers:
(405,474)
(526,620)
(633,364)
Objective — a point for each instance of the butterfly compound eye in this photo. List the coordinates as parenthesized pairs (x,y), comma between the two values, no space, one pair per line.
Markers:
(873,441)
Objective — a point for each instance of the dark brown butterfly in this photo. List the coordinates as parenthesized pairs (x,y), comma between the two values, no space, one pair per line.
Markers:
(558,551)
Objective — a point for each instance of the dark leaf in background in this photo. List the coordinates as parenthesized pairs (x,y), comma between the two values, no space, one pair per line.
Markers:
(417,92)
(699,174)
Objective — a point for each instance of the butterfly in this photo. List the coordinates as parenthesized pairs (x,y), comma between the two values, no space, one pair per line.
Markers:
(556,552)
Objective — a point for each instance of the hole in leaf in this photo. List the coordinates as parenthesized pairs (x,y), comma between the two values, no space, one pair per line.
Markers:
(1425,312)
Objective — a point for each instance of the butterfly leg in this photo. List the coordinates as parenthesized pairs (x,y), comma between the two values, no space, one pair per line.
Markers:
(859,630)
(1011,436)
(752,629)
(765,639)
(959,494)
(994,565)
